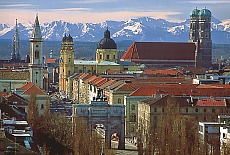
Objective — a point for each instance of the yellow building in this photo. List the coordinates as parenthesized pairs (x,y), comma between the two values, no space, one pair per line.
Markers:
(66,64)
(106,49)
(106,59)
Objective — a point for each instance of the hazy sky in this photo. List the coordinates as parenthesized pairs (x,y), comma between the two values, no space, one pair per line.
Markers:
(100,10)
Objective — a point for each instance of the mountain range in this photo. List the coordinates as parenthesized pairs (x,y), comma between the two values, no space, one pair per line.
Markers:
(138,29)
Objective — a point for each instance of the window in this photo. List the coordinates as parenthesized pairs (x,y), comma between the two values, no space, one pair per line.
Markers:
(69,73)
(69,59)
(114,57)
(196,110)
(42,106)
(100,57)
(37,45)
(155,109)
(36,54)
(132,129)
(107,57)
(133,107)
(133,117)
(205,110)
(213,110)
(84,69)
(119,100)
(186,110)
(80,71)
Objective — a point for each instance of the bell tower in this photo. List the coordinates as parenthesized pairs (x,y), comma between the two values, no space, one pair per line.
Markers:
(66,64)
(36,62)
(205,38)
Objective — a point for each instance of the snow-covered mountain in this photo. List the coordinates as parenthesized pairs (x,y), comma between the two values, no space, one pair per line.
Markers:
(139,29)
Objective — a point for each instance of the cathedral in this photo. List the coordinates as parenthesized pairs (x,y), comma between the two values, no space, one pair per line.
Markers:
(195,53)
(200,32)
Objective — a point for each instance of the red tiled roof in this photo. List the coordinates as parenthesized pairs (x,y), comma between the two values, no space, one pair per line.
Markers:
(211,102)
(160,51)
(127,87)
(142,92)
(31,87)
(27,86)
(106,84)
(102,81)
(90,79)
(3,93)
(34,89)
(181,90)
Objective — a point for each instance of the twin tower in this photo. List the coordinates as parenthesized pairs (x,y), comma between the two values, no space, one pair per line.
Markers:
(200,32)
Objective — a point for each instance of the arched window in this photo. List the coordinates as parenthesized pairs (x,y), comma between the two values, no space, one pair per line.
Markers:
(42,106)
(196,110)
(119,100)
(36,54)
(132,107)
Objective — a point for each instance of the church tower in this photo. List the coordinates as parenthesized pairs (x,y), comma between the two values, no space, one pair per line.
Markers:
(205,38)
(200,32)
(106,49)
(36,61)
(66,64)
(15,55)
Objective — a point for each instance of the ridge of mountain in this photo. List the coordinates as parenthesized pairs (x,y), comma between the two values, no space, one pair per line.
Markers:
(136,29)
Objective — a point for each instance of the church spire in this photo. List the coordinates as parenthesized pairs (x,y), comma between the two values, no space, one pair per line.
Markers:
(15,55)
(36,31)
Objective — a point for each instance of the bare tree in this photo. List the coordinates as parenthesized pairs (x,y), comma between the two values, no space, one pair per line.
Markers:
(175,134)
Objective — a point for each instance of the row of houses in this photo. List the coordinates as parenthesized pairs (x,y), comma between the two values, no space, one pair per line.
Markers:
(145,97)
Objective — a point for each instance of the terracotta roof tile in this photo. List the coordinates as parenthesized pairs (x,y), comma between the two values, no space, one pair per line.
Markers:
(27,86)
(160,51)
(34,89)
(50,61)
(107,84)
(90,79)
(30,87)
(211,102)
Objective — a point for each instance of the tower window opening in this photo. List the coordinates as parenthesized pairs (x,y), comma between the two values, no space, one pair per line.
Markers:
(36,54)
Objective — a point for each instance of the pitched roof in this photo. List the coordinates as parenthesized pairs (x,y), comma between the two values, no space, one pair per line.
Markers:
(31,87)
(90,79)
(27,86)
(107,84)
(181,90)
(160,51)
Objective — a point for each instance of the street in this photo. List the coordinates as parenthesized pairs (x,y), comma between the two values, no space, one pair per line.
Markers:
(130,149)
